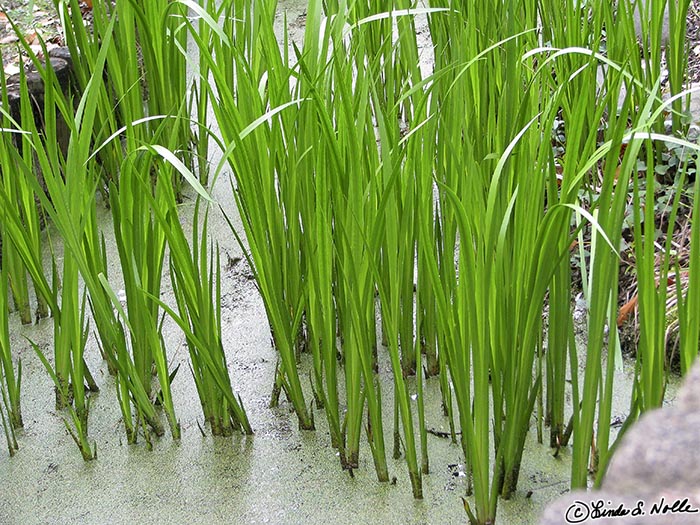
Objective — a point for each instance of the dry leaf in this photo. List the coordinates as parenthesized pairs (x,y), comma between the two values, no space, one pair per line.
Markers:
(626,310)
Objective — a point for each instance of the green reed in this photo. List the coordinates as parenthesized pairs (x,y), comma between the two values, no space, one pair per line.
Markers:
(195,274)
(11,376)
(68,201)
(8,429)
(20,195)
(17,153)
(141,245)
(255,139)
(687,302)
(354,201)
(145,72)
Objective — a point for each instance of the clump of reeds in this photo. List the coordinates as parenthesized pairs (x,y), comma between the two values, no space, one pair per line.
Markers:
(389,216)
(338,201)
(195,274)
(10,377)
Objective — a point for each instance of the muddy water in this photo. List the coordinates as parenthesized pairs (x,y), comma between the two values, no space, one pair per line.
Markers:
(279,476)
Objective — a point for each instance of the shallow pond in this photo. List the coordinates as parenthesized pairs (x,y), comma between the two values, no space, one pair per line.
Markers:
(280,475)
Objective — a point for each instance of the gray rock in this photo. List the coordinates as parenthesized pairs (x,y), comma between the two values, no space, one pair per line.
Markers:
(641,7)
(654,475)
(689,396)
(660,451)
